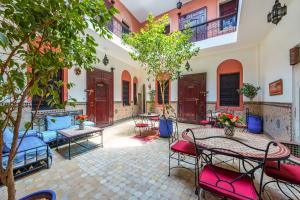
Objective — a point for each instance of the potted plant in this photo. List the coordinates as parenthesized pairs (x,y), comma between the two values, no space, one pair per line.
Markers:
(254,122)
(162,55)
(81,119)
(40,39)
(43,194)
(228,121)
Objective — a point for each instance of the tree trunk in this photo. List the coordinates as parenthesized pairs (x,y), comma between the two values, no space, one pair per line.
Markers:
(11,190)
(162,89)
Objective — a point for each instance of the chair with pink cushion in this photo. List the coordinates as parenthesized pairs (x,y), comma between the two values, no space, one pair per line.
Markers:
(208,119)
(180,150)
(227,183)
(139,124)
(154,122)
(286,173)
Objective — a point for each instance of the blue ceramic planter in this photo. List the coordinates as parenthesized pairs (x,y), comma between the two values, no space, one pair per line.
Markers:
(255,124)
(165,127)
(47,194)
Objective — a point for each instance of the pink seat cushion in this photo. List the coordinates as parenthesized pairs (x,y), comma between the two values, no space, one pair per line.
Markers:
(154,118)
(142,125)
(243,187)
(286,172)
(205,122)
(184,147)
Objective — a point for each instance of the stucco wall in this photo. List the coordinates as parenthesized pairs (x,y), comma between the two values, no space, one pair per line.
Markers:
(275,54)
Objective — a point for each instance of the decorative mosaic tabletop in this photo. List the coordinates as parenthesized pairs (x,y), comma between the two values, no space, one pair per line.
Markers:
(279,152)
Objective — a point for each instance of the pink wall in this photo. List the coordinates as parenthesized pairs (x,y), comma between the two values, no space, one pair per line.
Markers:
(211,5)
(125,15)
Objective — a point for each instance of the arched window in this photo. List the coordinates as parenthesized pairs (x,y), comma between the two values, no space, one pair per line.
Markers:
(126,88)
(229,80)
(135,81)
(167,94)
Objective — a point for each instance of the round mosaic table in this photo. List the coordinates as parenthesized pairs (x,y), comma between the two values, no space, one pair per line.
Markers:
(149,115)
(217,141)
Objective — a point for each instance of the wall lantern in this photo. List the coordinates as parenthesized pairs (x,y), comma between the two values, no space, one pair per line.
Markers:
(277,12)
(105,60)
(179,4)
(187,66)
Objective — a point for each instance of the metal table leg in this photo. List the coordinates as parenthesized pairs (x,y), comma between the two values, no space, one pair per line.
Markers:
(69,148)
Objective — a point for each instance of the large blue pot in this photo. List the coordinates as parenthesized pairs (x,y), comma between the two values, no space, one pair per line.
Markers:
(255,124)
(165,127)
(48,194)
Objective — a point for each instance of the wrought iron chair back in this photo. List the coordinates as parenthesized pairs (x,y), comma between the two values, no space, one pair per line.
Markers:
(256,164)
(174,135)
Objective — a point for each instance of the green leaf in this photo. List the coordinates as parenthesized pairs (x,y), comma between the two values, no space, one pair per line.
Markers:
(3,40)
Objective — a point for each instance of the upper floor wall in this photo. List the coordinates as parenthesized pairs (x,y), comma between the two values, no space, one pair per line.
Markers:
(207,19)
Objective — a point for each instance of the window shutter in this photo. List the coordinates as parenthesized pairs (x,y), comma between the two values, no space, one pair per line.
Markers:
(125,93)
(229,84)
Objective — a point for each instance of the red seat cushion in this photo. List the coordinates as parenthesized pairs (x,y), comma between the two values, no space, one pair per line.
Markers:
(286,172)
(154,118)
(241,126)
(184,147)
(243,187)
(142,125)
(205,122)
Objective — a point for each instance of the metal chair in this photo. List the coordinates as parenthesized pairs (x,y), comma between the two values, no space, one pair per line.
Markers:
(180,149)
(208,119)
(139,124)
(244,126)
(228,183)
(286,173)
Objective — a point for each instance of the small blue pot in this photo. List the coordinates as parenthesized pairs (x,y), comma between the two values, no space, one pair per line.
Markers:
(165,127)
(255,124)
(48,194)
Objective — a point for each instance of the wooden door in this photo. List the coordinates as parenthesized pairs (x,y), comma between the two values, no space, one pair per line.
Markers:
(228,8)
(100,97)
(195,19)
(192,98)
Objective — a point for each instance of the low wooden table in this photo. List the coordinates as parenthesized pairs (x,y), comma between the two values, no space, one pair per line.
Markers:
(74,135)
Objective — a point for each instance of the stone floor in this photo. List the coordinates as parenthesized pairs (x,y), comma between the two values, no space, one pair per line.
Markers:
(124,169)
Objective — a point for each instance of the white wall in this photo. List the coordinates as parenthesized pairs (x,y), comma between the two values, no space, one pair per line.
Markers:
(275,47)
(209,64)
(77,91)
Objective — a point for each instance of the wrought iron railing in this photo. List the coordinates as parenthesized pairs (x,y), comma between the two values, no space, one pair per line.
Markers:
(203,31)
(215,27)
(117,27)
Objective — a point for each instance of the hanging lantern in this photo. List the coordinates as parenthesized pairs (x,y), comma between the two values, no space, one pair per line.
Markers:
(277,12)
(105,60)
(187,66)
(179,5)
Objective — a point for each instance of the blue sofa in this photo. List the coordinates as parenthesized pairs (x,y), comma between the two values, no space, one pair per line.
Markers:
(58,121)
(32,154)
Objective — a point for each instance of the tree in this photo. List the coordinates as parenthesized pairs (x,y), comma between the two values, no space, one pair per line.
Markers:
(163,55)
(38,39)
(249,90)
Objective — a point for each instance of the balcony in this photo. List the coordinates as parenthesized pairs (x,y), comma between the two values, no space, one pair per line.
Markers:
(117,27)
(213,28)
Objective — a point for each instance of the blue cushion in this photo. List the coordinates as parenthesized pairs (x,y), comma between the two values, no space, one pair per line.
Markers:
(7,139)
(58,123)
(86,123)
(29,133)
(49,136)
(28,144)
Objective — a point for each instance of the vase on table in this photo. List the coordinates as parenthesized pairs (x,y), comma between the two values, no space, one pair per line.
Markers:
(81,125)
(229,131)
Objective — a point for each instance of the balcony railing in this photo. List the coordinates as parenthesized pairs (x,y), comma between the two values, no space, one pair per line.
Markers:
(203,31)
(215,27)
(117,27)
